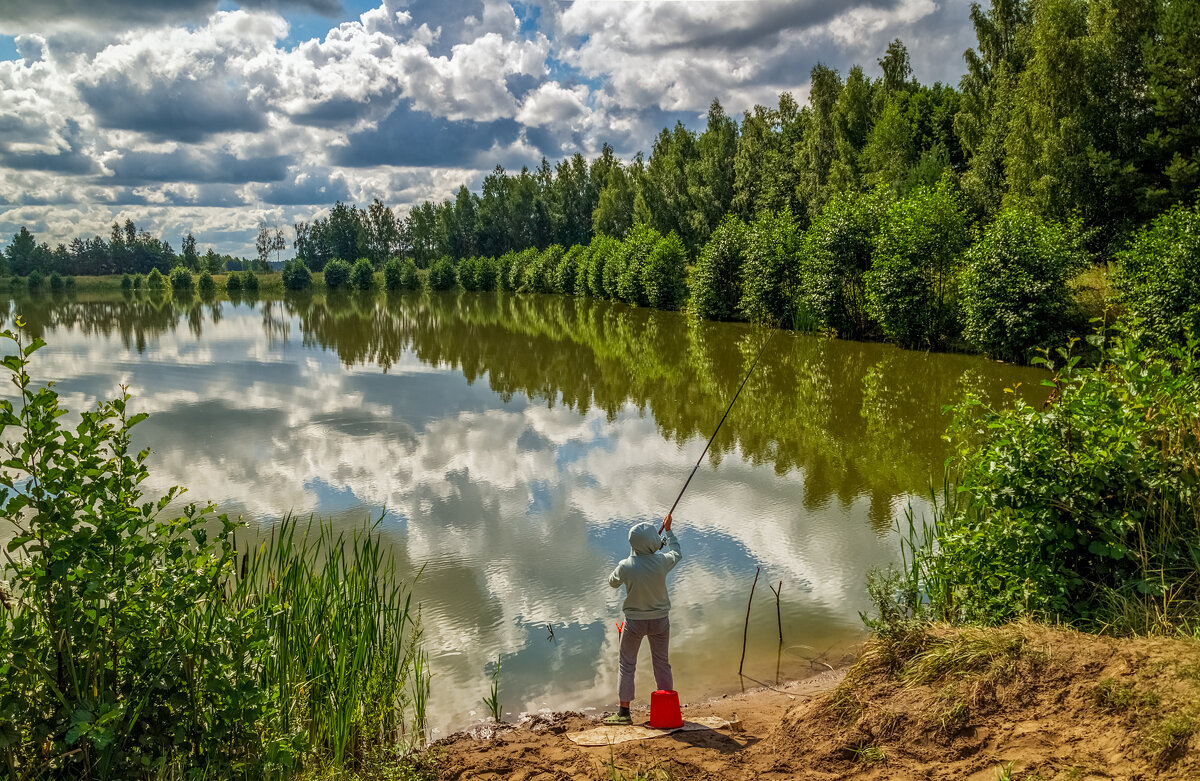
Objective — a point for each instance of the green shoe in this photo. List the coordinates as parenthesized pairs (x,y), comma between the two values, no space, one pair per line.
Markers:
(617,720)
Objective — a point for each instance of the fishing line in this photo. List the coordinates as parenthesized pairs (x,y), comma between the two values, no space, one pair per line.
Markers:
(761,350)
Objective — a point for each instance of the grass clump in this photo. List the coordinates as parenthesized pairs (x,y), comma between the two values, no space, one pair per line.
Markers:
(1170,735)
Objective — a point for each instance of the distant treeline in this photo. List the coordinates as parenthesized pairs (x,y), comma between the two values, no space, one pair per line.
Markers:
(127,250)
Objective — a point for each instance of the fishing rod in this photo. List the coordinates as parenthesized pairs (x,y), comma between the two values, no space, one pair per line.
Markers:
(761,350)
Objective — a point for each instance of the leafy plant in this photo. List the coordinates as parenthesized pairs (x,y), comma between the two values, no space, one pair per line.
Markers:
(664,273)
(35,280)
(1015,295)
(492,701)
(56,282)
(1158,275)
(126,281)
(835,254)
(295,275)
(181,279)
(716,283)
(565,276)
(410,279)
(635,250)
(912,284)
(441,275)
(250,282)
(392,273)
(233,282)
(362,276)
(770,273)
(337,274)
(155,280)
(205,284)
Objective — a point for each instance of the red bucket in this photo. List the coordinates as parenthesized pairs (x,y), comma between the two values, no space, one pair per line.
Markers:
(664,710)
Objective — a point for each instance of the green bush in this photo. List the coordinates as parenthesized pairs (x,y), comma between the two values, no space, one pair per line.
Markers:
(835,254)
(35,280)
(664,273)
(716,284)
(1158,275)
(126,282)
(504,265)
(362,276)
(1015,294)
(635,249)
(392,271)
(468,273)
(769,274)
(337,274)
(69,283)
(441,275)
(56,282)
(233,282)
(487,274)
(249,282)
(518,268)
(410,279)
(911,286)
(139,282)
(181,279)
(205,284)
(538,276)
(1077,509)
(565,276)
(601,251)
(295,275)
(155,280)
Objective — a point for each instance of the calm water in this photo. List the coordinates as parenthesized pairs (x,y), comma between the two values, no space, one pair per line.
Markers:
(510,442)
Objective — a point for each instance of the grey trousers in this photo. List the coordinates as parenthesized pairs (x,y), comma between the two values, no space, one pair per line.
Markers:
(658,631)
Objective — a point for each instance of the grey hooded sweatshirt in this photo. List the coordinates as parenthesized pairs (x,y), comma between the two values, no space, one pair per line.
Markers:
(644,573)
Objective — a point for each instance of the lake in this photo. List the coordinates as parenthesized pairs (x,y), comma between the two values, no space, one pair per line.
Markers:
(508,442)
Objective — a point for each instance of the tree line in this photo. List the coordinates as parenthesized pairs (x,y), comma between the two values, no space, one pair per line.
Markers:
(126,251)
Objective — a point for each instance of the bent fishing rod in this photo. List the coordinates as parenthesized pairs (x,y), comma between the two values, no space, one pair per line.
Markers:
(700,460)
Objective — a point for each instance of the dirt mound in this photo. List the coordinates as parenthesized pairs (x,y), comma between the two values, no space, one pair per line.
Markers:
(1019,702)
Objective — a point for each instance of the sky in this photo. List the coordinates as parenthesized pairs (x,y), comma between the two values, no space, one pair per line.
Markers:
(213,117)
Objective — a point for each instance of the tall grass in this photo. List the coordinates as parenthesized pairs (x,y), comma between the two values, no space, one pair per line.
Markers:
(347,661)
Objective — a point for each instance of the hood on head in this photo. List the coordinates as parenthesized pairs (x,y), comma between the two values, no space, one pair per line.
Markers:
(643,538)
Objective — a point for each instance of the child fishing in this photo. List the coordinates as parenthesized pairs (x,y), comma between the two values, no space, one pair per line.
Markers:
(644,575)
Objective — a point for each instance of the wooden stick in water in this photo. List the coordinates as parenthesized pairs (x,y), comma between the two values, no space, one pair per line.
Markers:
(778,614)
(746,628)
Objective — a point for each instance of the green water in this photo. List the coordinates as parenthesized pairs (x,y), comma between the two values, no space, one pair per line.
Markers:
(510,442)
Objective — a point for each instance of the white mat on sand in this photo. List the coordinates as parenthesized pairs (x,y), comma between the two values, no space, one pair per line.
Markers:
(611,735)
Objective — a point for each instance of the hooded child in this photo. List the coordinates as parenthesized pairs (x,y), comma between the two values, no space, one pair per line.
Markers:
(644,575)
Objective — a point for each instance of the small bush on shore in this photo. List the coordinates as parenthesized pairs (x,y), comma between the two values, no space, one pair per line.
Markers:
(155,280)
(1158,275)
(296,276)
(664,273)
(250,282)
(126,282)
(717,278)
(362,276)
(233,282)
(337,274)
(205,284)
(391,274)
(35,280)
(56,282)
(442,276)
(181,279)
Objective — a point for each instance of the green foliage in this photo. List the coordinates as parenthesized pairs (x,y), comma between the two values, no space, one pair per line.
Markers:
(1093,499)
(205,284)
(1015,296)
(492,701)
(337,274)
(181,279)
(630,284)
(566,274)
(1158,275)
(392,271)
(139,282)
(409,278)
(155,280)
(296,276)
(835,254)
(539,270)
(35,280)
(487,273)
(56,282)
(911,286)
(600,252)
(126,281)
(468,273)
(441,275)
(136,646)
(770,272)
(69,283)
(362,276)
(664,273)
(249,282)
(716,283)
(233,282)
